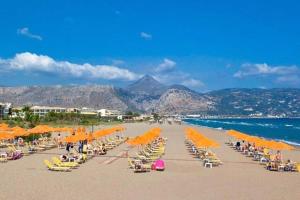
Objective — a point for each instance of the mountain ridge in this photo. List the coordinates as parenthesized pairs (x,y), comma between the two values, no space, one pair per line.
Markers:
(173,99)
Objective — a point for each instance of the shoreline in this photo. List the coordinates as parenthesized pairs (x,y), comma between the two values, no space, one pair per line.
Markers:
(242,118)
(294,144)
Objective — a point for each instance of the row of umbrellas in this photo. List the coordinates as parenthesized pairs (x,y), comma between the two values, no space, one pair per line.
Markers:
(260,142)
(199,140)
(7,132)
(81,135)
(145,138)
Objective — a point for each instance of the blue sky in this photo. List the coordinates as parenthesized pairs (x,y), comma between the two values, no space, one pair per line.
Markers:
(205,45)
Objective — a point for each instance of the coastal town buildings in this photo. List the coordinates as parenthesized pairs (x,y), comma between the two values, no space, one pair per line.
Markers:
(41,111)
(5,110)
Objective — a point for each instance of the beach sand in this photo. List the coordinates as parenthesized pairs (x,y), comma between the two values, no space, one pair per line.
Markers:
(184,178)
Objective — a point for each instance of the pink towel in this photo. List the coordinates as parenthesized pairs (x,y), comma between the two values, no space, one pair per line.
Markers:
(159,164)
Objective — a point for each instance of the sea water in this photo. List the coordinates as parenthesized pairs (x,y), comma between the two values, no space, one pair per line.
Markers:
(286,130)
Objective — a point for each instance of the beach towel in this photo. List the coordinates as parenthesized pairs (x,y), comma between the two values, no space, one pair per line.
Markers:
(159,165)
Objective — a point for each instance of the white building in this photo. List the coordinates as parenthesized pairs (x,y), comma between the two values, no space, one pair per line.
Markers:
(109,113)
(43,110)
(5,110)
(88,111)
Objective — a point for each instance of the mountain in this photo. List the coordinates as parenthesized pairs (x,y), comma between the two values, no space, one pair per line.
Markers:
(149,95)
(95,96)
(277,101)
(181,100)
(147,85)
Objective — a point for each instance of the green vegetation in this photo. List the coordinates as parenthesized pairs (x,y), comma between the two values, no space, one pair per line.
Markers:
(58,119)
(132,114)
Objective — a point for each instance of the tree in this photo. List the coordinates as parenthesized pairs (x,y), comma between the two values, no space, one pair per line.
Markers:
(155,116)
(129,113)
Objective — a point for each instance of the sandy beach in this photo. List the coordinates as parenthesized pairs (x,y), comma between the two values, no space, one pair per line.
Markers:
(184,178)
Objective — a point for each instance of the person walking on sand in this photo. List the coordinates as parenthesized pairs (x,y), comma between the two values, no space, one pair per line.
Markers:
(59,141)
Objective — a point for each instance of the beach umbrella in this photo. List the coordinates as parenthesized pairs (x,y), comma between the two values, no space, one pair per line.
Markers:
(199,140)
(18,131)
(5,127)
(6,136)
(145,138)
(287,146)
(90,137)
(70,139)
(80,136)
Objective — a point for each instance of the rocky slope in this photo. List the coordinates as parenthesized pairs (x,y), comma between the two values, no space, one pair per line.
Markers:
(94,96)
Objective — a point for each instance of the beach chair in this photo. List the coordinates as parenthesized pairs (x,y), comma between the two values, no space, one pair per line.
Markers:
(266,156)
(140,167)
(59,163)
(130,163)
(3,157)
(51,167)
(298,167)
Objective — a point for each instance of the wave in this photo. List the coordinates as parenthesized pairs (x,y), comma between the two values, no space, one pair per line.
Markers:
(226,122)
(288,125)
(266,125)
(236,123)
(290,142)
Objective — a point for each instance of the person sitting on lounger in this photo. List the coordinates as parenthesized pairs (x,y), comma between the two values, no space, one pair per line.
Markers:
(63,158)
(289,165)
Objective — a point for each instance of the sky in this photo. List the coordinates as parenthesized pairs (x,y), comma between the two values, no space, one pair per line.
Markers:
(205,45)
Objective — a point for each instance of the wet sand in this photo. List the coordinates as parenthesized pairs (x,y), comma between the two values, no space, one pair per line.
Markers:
(184,178)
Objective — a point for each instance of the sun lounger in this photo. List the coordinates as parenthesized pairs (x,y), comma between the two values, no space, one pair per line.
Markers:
(140,167)
(51,167)
(3,157)
(59,163)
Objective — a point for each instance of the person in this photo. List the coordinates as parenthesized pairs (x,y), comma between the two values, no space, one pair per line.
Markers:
(80,147)
(68,147)
(238,145)
(20,141)
(63,158)
(288,165)
(103,149)
(35,142)
(59,141)
(278,157)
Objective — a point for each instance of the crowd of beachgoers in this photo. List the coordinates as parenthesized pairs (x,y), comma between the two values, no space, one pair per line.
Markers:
(80,146)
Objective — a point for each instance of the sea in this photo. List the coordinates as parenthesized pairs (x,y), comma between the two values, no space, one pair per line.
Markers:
(285,130)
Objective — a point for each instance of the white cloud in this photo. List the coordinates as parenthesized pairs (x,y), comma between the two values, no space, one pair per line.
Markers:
(40,63)
(177,77)
(166,66)
(118,62)
(25,32)
(146,36)
(193,83)
(289,75)
(291,79)
(265,69)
